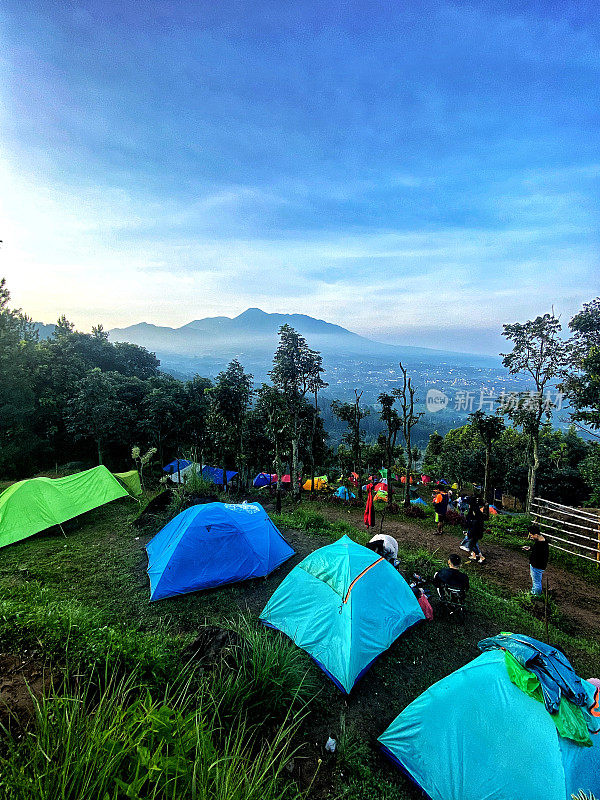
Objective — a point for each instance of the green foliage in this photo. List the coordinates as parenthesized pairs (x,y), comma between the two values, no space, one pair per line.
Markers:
(267,675)
(581,381)
(77,636)
(126,742)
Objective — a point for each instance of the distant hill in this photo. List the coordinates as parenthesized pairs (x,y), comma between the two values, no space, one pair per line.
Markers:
(207,345)
(44,331)
(254,332)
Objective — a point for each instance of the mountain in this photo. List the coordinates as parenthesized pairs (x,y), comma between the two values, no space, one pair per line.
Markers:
(207,345)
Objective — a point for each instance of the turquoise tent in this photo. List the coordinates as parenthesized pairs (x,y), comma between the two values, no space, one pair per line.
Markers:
(344,606)
(475,736)
(212,544)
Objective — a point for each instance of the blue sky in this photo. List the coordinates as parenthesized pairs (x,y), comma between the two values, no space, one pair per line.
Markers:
(419,172)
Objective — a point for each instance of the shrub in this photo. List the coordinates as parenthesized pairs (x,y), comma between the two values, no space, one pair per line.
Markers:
(414,512)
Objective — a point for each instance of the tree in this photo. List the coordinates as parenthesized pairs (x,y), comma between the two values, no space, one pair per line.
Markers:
(489,428)
(295,367)
(581,383)
(272,408)
(197,404)
(18,440)
(433,451)
(406,395)
(95,411)
(537,352)
(230,399)
(389,415)
(315,383)
(163,413)
(352,414)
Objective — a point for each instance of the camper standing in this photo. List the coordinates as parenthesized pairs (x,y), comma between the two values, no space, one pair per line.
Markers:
(440,506)
(539,553)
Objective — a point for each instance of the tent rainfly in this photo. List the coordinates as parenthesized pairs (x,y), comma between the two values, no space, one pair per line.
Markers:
(344,606)
(131,481)
(499,743)
(31,506)
(213,544)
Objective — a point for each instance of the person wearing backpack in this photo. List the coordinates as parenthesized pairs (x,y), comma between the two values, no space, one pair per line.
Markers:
(440,506)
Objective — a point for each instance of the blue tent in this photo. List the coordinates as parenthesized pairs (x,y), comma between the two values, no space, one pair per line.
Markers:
(215,475)
(344,494)
(475,735)
(344,606)
(176,466)
(264,479)
(209,545)
(418,502)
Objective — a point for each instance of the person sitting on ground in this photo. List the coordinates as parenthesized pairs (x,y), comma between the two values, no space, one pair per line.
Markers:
(539,552)
(423,601)
(388,548)
(440,506)
(451,577)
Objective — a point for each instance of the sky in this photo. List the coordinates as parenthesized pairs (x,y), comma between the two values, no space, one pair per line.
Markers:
(419,172)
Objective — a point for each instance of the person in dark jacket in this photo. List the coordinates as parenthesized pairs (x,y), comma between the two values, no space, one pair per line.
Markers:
(539,552)
(440,506)
(475,520)
(451,576)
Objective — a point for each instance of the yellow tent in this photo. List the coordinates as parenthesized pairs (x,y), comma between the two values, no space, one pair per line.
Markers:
(320,483)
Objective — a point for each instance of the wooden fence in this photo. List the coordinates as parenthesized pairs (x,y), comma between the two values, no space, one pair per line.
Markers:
(572,530)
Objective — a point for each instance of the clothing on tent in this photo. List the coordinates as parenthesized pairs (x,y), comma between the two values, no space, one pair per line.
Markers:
(369,515)
(553,669)
(31,506)
(345,606)
(131,481)
(569,719)
(475,735)
(213,544)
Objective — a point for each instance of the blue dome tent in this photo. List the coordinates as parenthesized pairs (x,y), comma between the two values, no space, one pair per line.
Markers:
(264,479)
(344,494)
(209,545)
(476,735)
(176,466)
(344,606)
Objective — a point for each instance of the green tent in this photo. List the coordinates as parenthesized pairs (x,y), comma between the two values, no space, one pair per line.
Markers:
(131,481)
(31,506)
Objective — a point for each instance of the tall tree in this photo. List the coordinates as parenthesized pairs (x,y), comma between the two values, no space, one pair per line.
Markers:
(581,383)
(352,414)
(538,352)
(230,399)
(489,427)
(409,418)
(295,367)
(389,415)
(315,384)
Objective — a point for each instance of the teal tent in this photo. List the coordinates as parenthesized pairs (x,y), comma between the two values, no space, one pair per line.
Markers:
(344,605)
(475,736)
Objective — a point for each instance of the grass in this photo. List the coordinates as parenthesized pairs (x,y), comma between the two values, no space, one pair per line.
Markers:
(128,742)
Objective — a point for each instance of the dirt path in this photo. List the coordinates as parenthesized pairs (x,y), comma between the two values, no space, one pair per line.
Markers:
(577,598)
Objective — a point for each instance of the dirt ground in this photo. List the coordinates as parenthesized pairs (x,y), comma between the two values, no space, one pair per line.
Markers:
(22,678)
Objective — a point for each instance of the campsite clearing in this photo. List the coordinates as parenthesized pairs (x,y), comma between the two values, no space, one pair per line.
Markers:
(100,568)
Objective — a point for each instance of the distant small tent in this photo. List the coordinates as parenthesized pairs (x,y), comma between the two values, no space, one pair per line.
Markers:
(425,479)
(353,479)
(131,481)
(320,483)
(345,606)
(31,506)
(176,466)
(211,545)
(215,475)
(344,494)
(418,502)
(264,479)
